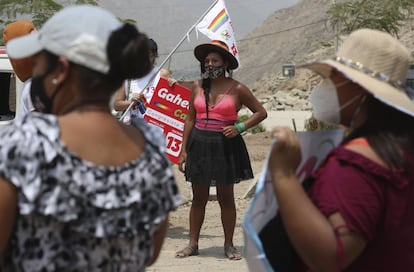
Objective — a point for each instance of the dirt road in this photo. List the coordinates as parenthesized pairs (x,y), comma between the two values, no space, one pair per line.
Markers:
(211,256)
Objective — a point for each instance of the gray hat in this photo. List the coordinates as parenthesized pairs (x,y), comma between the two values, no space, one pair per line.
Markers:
(78,33)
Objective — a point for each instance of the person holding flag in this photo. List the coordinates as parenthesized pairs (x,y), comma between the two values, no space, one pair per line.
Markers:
(213,150)
(133,90)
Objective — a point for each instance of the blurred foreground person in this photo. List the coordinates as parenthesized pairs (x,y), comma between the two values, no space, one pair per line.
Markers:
(358,213)
(71,199)
(22,67)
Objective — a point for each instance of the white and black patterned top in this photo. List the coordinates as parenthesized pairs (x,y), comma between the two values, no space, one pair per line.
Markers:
(74,215)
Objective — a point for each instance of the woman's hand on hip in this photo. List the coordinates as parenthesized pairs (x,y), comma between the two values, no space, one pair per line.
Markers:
(230,131)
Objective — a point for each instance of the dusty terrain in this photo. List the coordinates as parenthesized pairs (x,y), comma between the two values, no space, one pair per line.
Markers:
(211,256)
(300,34)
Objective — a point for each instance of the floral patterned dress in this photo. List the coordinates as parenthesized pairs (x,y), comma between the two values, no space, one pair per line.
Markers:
(74,215)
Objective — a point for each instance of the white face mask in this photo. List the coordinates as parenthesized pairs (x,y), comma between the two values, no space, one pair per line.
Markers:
(324,99)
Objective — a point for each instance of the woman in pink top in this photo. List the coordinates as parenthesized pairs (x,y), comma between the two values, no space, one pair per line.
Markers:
(213,151)
(358,214)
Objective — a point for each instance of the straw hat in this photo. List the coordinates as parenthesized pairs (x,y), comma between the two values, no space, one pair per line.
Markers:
(201,51)
(377,62)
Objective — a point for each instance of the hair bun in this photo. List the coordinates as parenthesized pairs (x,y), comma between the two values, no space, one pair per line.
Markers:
(128,53)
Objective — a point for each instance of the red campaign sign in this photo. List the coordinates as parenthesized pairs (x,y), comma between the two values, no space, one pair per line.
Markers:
(168,109)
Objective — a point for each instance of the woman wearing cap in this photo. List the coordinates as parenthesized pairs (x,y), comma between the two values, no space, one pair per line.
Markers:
(71,199)
(213,150)
(358,214)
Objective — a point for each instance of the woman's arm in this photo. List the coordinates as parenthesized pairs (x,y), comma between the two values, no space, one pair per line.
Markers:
(246,98)
(159,237)
(188,125)
(311,233)
(8,206)
(120,101)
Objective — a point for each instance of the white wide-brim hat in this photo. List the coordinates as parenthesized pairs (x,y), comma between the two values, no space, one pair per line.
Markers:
(79,33)
(377,62)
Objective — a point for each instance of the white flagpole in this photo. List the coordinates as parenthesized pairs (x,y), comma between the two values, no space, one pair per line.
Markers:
(169,55)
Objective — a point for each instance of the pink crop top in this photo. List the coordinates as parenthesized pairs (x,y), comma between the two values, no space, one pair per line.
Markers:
(223,113)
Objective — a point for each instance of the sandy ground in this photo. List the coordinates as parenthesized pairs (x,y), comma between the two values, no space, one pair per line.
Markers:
(211,256)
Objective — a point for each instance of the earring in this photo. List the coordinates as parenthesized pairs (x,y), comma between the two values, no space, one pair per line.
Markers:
(54,81)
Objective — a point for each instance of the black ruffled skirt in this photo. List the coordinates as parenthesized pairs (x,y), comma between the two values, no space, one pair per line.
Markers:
(213,159)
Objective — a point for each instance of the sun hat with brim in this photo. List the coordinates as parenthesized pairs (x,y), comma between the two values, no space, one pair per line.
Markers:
(201,51)
(79,33)
(377,62)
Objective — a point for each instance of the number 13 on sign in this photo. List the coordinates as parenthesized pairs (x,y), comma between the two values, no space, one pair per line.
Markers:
(174,142)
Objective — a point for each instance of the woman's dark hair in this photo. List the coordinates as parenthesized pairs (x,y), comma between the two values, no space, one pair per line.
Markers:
(128,54)
(51,61)
(389,132)
(206,82)
(206,85)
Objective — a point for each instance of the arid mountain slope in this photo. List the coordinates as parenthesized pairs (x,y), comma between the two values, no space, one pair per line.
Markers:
(294,35)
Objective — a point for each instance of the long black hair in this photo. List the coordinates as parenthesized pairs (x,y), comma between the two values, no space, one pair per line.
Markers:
(206,82)
(389,132)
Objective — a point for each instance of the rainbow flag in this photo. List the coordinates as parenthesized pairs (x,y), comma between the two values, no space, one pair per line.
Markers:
(216,25)
(219,20)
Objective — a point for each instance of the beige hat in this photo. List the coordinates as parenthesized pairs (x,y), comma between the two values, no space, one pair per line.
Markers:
(377,62)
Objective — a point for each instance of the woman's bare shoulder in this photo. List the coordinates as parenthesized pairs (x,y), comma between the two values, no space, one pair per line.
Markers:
(191,85)
(240,87)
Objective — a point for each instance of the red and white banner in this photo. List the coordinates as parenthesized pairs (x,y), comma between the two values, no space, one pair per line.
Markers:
(216,25)
(168,109)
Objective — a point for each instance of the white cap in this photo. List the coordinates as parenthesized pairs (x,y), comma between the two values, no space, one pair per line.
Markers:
(79,33)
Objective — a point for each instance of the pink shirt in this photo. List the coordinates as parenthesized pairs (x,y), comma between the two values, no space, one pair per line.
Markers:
(375,202)
(223,113)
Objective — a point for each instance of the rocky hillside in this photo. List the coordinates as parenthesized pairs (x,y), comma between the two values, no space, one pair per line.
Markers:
(294,35)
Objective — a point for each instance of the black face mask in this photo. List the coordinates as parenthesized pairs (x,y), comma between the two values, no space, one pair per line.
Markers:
(213,72)
(40,101)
